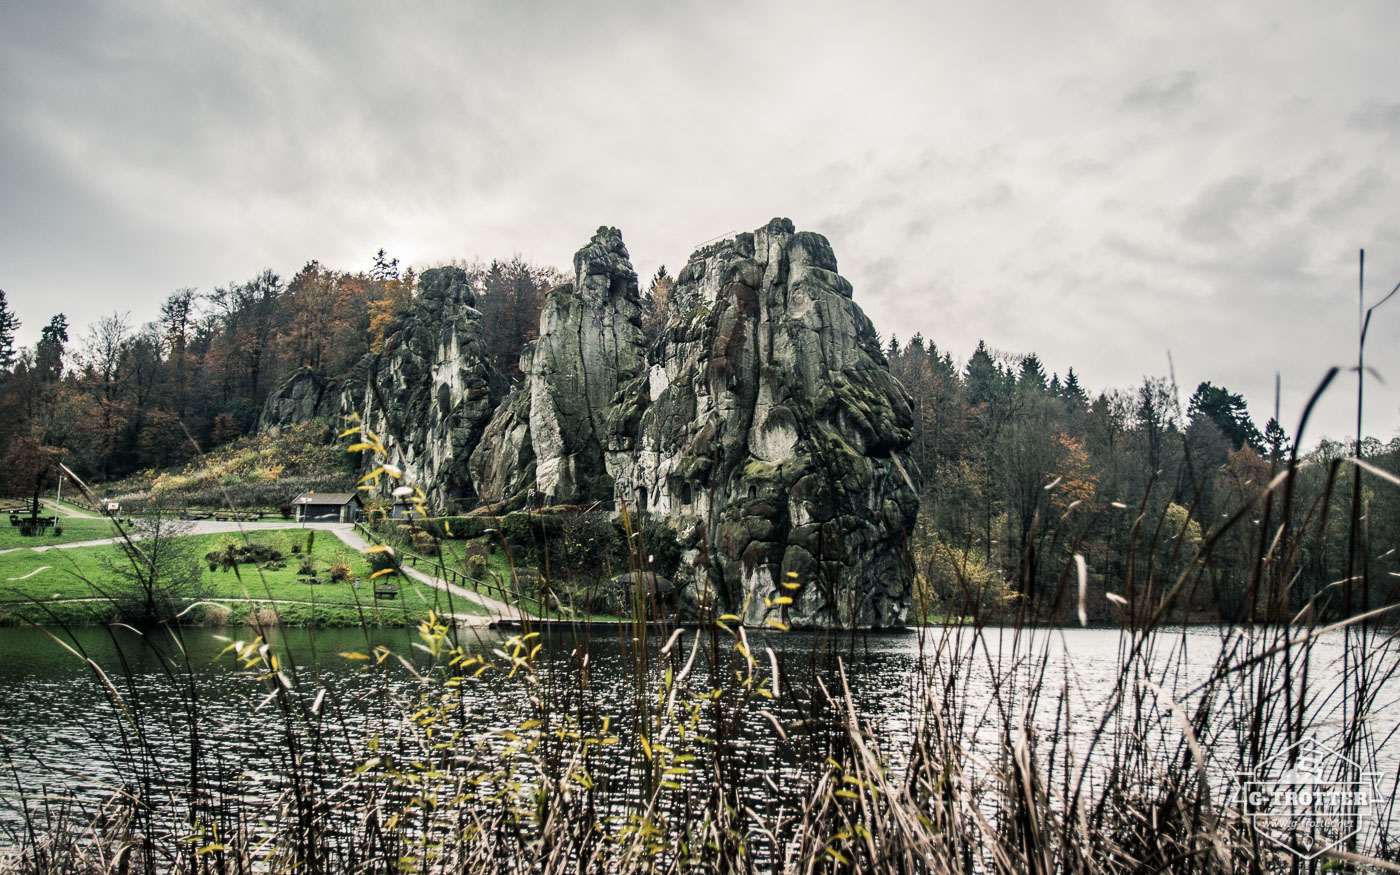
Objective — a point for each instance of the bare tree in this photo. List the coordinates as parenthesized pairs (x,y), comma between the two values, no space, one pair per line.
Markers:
(158,571)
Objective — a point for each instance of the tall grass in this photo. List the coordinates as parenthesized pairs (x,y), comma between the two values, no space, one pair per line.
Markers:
(717,749)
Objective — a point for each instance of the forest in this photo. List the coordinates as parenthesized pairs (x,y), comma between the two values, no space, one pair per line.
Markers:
(1021,470)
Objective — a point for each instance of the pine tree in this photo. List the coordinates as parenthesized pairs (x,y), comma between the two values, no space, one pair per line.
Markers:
(1229,413)
(385,268)
(1276,440)
(1072,391)
(48,354)
(8,325)
(656,305)
(1032,377)
(983,376)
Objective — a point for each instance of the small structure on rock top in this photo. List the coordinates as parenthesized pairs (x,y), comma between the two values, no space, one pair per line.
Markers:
(328,507)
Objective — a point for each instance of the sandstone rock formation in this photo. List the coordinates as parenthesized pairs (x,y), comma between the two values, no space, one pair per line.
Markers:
(304,394)
(769,428)
(549,436)
(429,393)
(763,425)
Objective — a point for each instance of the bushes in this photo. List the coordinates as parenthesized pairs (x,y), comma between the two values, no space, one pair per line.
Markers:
(663,549)
(476,567)
(583,546)
(234,552)
(460,528)
(383,560)
(423,544)
(956,581)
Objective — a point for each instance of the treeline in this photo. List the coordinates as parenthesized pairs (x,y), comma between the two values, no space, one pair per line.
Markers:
(1023,469)
(119,397)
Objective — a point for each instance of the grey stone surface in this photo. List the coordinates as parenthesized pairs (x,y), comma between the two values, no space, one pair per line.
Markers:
(548,438)
(768,425)
(764,425)
(304,394)
(429,393)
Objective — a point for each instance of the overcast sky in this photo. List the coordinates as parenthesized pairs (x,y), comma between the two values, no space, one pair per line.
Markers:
(1102,183)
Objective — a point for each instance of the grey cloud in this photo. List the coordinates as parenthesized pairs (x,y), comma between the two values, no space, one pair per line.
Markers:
(1163,93)
(1226,210)
(151,144)
(1377,116)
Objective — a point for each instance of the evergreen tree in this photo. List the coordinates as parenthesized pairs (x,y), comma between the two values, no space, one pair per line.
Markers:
(1032,377)
(1072,391)
(983,376)
(48,354)
(656,305)
(1276,440)
(385,268)
(8,325)
(1229,413)
(943,366)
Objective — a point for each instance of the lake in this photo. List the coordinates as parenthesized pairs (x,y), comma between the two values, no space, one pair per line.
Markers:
(159,705)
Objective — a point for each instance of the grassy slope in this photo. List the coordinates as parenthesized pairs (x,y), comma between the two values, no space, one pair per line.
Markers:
(257,471)
(80,573)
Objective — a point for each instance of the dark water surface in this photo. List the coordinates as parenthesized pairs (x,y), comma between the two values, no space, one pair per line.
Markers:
(72,731)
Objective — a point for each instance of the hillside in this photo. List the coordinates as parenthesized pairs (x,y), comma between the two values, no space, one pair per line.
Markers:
(261,471)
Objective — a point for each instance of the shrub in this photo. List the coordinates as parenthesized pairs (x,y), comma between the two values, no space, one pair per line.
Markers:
(958,581)
(476,567)
(424,544)
(340,572)
(663,546)
(383,560)
(461,528)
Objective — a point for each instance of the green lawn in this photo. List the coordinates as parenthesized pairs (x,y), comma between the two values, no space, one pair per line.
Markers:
(499,582)
(73,530)
(54,576)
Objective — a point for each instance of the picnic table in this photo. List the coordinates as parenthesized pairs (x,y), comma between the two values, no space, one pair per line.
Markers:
(29,525)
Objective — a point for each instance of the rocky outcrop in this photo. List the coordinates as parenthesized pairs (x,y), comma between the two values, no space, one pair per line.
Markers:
(429,393)
(548,439)
(763,425)
(769,428)
(304,394)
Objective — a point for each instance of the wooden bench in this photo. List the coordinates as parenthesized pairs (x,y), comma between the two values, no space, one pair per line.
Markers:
(386,591)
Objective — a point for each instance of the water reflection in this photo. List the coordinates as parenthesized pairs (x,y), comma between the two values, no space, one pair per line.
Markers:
(164,710)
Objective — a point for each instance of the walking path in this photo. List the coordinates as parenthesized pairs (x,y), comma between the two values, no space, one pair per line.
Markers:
(70,511)
(503,611)
(347,534)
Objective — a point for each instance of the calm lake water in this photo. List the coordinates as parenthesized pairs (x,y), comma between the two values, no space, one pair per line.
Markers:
(70,731)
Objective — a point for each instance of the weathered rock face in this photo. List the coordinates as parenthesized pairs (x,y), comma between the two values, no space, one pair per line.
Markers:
(429,393)
(769,427)
(549,436)
(304,394)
